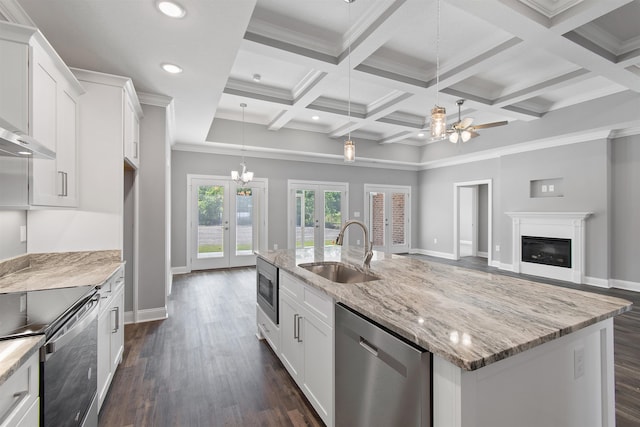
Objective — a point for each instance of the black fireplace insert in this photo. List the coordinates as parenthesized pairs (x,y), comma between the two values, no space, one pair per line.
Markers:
(547,250)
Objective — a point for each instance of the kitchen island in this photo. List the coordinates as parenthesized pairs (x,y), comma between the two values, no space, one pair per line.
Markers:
(506,351)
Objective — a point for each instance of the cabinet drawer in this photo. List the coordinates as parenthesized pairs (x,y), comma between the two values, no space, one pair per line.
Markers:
(19,392)
(291,285)
(110,287)
(268,330)
(318,303)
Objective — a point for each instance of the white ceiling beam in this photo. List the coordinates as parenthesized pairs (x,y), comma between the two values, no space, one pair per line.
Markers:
(315,88)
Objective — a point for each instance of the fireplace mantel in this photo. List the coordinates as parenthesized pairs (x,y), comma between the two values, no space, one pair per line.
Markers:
(567,225)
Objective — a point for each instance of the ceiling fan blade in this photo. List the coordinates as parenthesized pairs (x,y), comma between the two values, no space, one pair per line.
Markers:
(489,125)
(473,133)
(466,122)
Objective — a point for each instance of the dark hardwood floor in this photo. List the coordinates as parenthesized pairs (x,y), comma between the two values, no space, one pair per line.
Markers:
(204,366)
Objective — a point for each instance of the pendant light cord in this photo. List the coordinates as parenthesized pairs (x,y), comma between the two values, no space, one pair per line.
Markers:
(349,65)
(438,54)
(243,133)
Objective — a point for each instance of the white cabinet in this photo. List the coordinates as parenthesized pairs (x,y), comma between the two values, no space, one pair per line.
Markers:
(267,329)
(110,332)
(131,132)
(19,402)
(38,97)
(306,341)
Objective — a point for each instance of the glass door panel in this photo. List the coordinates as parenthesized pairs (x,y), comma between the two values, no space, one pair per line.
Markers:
(377,219)
(244,222)
(210,224)
(332,216)
(398,219)
(305,218)
(388,217)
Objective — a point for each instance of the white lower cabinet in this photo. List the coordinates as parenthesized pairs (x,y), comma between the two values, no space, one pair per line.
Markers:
(110,332)
(306,342)
(19,401)
(267,329)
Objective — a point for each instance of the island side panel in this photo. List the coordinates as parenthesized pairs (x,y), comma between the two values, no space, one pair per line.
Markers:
(567,382)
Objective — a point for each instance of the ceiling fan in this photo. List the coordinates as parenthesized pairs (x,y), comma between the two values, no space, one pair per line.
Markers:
(462,129)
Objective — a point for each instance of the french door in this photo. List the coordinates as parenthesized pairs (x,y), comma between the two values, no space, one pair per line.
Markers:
(316,213)
(227,222)
(387,211)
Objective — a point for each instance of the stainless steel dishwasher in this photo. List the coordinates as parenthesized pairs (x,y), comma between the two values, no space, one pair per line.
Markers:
(381,379)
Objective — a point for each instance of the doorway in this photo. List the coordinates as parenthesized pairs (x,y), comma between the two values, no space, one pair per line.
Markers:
(316,213)
(387,214)
(472,235)
(227,222)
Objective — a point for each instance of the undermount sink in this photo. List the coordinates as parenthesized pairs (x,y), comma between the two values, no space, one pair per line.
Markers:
(338,272)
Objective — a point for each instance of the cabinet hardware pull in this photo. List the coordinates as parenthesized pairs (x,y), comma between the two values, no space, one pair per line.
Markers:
(61,192)
(264,326)
(295,326)
(299,337)
(117,324)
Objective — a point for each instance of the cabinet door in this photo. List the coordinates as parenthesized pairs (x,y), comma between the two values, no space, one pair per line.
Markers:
(317,338)
(14,86)
(104,354)
(131,130)
(117,329)
(66,158)
(46,182)
(292,349)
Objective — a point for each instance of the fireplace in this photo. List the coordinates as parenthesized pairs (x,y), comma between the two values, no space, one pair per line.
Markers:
(549,244)
(547,251)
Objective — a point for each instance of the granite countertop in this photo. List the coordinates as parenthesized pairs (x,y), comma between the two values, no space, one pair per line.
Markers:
(57,270)
(13,354)
(467,317)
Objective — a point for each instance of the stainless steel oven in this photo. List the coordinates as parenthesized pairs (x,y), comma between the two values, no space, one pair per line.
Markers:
(69,362)
(68,318)
(267,288)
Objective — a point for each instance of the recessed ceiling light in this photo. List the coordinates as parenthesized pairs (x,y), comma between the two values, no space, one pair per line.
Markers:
(315,117)
(171,9)
(171,68)
(421,134)
(24,153)
(257,78)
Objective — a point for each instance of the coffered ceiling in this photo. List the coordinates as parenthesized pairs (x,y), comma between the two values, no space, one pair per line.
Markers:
(514,60)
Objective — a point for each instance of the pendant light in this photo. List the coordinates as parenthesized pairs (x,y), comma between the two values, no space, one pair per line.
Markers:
(244,176)
(438,114)
(349,147)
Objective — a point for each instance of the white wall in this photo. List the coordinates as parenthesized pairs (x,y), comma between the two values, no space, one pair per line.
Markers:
(10,223)
(277,172)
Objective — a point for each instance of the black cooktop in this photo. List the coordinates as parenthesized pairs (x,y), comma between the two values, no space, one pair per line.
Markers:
(39,312)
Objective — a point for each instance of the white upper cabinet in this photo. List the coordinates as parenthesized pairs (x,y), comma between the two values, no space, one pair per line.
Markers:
(132,113)
(39,97)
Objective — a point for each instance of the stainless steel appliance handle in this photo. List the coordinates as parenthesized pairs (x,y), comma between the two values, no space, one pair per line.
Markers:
(17,400)
(117,324)
(64,339)
(369,347)
(299,338)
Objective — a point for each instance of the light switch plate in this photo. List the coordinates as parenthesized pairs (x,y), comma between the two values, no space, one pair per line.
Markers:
(23,233)
(356,214)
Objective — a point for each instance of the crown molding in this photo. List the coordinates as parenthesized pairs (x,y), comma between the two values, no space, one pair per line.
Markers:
(13,12)
(601,37)
(291,155)
(551,8)
(620,133)
(155,99)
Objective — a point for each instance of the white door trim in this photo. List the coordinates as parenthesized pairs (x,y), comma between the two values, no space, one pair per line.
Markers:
(456,216)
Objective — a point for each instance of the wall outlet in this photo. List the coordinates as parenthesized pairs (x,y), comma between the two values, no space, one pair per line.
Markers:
(497,248)
(275,246)
(23,233)
(578,362)
(356,214)
(23,303)
(358,242)
(435,240)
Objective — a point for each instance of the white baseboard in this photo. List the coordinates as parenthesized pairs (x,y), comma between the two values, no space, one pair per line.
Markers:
(180,270)
(625,284)
(466,242)
(432,253)
(504,266)
(483,254)
(151,314)
(596,281)
(128,317)
(494,263)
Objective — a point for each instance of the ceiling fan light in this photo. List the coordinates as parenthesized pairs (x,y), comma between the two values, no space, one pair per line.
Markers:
(349,151)
(438,122)
(453,138)
(466,135)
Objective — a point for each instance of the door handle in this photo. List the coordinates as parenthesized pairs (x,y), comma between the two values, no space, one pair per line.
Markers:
(299,338)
